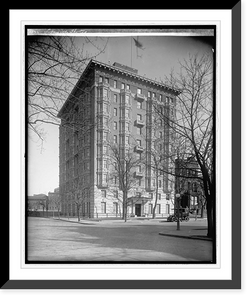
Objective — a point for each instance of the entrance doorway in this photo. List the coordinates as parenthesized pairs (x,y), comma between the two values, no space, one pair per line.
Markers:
(138,210)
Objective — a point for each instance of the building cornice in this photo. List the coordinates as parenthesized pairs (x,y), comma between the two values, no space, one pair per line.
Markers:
(132,75)
(94,63)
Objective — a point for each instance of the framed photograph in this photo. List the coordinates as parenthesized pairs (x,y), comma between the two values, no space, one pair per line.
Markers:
(125,143)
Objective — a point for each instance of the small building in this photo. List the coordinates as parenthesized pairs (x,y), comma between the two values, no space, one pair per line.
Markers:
(37,204)
(188,183)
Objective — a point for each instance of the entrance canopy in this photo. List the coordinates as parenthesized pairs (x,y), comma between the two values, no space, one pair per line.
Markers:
(139,200)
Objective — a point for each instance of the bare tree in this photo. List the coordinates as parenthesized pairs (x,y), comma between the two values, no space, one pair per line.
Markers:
(76,196)
(124,165)
(54,64)
(157,154)
(194,121)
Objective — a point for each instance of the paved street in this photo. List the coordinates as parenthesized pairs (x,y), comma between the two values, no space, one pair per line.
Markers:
(58,240)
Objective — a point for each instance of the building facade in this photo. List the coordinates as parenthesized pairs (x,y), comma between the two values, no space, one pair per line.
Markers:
(113,105)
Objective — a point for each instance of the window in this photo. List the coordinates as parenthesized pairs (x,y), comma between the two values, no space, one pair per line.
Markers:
(127,126)
(105,107)
(115,139)
(139,182)
(67,148)
(195,187)
(153,95)
(160,183)
(105,164)
(100,79)
(168,208)
(158,209)
(115,207)
(76,164)
(115,125)
(139,142)
(160,134)
(115,98)
(127,113)
(104,193)
(105,93)
(106,122)
(126,140)
(150,208)
(115,194)
(149,94)
(159,196)
(139,117)
(139,105)
(105,136)
(160,98)
(139,169)
(115,112)
(76,141)
(106,80)
(126,99)
(122,86)
(139,130)
(103,207)
(105,149)
(115,84)
(105,178)
(127,87)
(139,91)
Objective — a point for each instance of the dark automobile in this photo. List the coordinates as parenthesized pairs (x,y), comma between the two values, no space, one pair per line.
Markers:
(183,215)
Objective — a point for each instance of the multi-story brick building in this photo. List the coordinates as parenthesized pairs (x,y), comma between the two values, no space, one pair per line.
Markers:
(112,104)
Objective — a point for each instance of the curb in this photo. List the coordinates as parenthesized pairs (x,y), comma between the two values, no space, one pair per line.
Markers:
(192,237)
(76,222)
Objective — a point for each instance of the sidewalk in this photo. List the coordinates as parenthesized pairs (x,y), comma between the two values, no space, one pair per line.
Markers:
(187,232)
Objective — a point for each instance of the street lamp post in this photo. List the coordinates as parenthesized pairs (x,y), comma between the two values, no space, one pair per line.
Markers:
(177,202)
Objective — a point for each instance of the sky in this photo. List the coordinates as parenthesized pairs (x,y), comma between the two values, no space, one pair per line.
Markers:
(160,55)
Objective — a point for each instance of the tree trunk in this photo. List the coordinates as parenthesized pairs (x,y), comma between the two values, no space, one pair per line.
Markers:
(202,212)
(125,206)
(78,212)
(155,204)
(210,212)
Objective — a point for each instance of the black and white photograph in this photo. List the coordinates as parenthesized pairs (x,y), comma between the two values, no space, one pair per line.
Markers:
(121,144)
(125,152)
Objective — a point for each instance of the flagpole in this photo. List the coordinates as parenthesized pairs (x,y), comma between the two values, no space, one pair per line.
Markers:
(131,53)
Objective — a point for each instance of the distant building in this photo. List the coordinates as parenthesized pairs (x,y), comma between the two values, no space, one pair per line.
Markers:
(38,203)
(188,182)
(120,104)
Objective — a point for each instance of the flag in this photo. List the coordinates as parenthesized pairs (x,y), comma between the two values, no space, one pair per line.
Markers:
(138,44)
